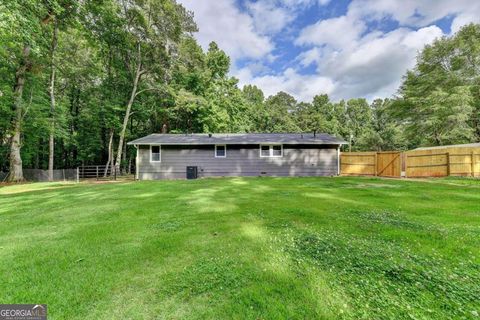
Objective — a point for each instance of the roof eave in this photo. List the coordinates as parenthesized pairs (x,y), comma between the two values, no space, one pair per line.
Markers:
(135,142)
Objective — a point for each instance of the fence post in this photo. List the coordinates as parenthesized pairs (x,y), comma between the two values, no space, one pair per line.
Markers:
(448,164)
(375,164)
(473,164)
(78,175)
(115,173)
(96,171)
(405,158)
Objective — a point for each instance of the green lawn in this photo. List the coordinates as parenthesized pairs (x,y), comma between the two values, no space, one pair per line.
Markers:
(255,248)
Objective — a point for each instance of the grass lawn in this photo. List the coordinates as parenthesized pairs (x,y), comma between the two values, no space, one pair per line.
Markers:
(254,248)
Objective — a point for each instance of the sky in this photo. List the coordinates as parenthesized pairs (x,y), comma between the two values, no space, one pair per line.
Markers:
(344,48)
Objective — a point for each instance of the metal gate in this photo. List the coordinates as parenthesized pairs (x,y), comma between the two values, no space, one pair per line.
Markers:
(388,164)
(97,172)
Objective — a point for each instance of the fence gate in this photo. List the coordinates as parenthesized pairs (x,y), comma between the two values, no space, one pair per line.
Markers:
(97,172)
(383,164)
(389,164)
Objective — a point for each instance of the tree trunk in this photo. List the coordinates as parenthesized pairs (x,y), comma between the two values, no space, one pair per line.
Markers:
(124,158)
(136,79)
(37,155)
(110,153)
(51,140)
(16,169)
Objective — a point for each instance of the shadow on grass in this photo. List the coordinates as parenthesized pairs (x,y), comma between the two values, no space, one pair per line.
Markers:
(220,248)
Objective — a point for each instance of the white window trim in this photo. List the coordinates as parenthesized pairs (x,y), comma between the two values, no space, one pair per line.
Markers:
(160,149)
(224,156)
(270,148)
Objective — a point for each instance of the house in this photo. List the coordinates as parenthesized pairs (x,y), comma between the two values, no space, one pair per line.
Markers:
(172,156)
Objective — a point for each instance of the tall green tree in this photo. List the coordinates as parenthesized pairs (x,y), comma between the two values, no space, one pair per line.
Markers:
(276,114)
(146,35)
(386,133)
(358,119)
(21,24)
(439,97)
(61,15)
(320,115)
(254,99)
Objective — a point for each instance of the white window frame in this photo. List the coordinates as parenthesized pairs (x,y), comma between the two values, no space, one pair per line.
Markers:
(160,152)
(223,145)
(270,150)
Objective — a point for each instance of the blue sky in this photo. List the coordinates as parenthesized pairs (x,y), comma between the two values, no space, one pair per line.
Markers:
(345,48)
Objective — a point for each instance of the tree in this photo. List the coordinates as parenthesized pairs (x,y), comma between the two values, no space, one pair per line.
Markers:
(60,14)
(218,62)
(320,115)
(254,100)
(146,35)
(227,108)
(276,114)
(358,119)
(21,23)
(78,78)
(385,133)
(439,97)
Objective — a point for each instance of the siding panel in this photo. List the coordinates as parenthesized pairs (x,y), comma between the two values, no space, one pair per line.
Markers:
(299,160)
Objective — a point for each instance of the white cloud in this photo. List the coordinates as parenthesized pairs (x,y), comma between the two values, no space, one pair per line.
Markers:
(360,63)
(221,21)
(337,32)
(244,34)
(375,67)
(272,16)
(309,57)
(351,59)
(365,66)
(412,12)
(302,87)
(268,17)
(418,39)
(463,19)
(304,3)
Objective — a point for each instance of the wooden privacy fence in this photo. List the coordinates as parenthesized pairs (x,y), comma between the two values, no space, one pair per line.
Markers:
(443,162)
(449,161)
(383,164)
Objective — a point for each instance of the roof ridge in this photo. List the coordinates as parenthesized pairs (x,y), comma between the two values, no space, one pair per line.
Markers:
(238,138)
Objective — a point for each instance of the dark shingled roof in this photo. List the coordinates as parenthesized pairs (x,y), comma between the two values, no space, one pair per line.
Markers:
(238,138)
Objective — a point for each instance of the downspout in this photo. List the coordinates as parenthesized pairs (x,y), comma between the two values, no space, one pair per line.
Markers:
(338,160)
(136,163)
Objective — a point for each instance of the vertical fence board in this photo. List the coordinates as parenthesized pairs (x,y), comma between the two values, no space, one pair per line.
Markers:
(448,161)
(440,162)
(385,164)
(357,163)
(389,164)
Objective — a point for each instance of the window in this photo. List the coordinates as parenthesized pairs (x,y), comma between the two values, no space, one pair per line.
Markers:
(155,154)
(220,151)
(265,151)
(276,151)
(271,150)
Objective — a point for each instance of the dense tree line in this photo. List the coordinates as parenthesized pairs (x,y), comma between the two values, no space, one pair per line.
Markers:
(80,78)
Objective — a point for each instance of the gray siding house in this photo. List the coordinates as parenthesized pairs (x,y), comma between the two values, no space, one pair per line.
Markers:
(170,156)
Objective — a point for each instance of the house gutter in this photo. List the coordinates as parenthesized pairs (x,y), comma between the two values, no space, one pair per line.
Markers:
(136,162)
(338,160)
